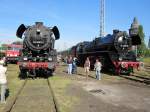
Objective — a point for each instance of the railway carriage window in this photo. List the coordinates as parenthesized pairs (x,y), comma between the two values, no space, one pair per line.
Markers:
(9,48)
(17,49)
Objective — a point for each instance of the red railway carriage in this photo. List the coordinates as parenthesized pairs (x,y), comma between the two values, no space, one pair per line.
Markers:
(13,53)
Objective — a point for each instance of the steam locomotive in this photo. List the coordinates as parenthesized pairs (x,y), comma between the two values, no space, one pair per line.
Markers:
(38,55)
(113,50)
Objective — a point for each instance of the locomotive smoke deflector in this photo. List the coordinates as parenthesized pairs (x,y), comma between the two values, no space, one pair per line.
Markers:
(56,32)
(20,30)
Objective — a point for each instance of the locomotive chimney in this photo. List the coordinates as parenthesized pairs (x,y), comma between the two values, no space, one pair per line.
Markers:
(115,31)
(38,23)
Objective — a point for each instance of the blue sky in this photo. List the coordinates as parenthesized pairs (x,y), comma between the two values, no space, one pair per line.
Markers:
(77,20)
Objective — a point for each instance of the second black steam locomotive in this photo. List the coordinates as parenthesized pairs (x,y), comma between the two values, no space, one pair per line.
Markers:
(38,55)
(114,51)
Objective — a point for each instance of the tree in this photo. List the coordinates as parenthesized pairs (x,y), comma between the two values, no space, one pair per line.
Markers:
(141,48)
(147,53)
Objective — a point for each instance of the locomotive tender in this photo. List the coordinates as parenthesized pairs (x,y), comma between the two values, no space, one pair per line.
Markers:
(114,51)
(38,55)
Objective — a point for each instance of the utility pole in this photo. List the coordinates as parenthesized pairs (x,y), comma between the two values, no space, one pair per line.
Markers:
(102,18)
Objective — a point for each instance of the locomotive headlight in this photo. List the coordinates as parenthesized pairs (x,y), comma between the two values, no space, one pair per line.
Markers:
(120,39)
(25,58)
(24,64)
(49,59)
(142,65)
(123,64)
(120,58)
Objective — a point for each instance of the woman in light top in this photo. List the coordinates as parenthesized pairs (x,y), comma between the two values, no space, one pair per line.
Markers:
(87,67)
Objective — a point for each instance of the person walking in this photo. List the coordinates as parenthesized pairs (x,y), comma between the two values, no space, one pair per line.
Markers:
(97,68)
(3,81)
(87,67)
(69,62)
(74,66)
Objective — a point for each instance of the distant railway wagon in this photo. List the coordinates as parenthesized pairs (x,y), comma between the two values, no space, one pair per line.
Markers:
(12,53)
(113,50)
(38,55)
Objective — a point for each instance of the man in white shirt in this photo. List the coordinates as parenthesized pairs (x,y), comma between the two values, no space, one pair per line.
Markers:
(3,81)
(97,68)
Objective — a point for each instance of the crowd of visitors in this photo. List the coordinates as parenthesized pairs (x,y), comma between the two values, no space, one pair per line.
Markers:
(72,66)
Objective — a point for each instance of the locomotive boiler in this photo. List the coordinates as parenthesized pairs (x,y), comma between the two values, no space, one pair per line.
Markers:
(38,55)
(113,50)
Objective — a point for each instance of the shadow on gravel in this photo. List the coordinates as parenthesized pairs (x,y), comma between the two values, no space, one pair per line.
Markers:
(7,93)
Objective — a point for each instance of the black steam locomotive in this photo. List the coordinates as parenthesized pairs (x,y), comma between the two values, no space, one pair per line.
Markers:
(114,51)
(38,55)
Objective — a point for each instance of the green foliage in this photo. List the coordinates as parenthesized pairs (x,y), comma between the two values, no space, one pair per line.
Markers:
(2,54)
(146,60)
(147,52)
(141,48)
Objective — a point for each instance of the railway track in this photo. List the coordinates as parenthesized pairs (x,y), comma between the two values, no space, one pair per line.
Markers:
(137,78)
(34,96)
(147,68)
(134,77)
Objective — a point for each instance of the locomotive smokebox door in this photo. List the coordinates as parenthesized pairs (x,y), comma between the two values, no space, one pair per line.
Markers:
(20,30)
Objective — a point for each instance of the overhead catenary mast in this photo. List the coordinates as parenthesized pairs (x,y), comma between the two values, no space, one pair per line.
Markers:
(102,18)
